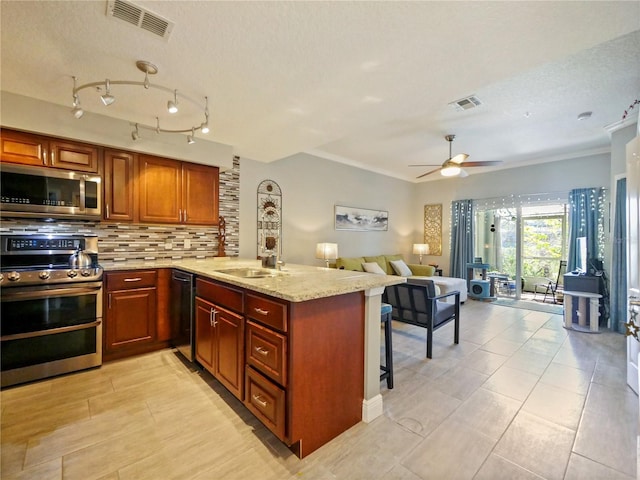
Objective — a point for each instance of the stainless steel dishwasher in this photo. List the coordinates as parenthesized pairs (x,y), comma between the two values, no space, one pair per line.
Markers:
(182,296)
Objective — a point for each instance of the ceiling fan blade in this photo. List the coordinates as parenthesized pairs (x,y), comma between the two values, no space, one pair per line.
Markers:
(487,163)
(425,165)
(459,158)
(428,173)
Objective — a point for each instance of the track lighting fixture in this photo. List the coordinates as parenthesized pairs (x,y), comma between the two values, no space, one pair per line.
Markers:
(107,98)
(172,105)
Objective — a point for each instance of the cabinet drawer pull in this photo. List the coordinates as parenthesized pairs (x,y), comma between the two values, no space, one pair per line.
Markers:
(136,279)
(261,351)
(212,317)
(107,207)
(261,311)
(258,398)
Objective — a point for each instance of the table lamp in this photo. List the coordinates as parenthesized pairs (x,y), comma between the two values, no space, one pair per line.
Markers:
(421,249)
(326,251)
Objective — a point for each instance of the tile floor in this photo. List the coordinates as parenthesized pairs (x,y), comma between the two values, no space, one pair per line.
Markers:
(518,398)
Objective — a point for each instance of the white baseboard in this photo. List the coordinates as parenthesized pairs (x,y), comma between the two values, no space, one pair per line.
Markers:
(372,408)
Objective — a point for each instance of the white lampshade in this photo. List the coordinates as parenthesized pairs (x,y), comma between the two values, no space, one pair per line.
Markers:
(326,251)
(421,249)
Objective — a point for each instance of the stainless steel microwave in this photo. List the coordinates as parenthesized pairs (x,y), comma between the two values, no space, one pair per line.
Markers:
(49,193)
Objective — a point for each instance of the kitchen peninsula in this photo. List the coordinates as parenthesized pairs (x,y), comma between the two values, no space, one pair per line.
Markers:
(301,346)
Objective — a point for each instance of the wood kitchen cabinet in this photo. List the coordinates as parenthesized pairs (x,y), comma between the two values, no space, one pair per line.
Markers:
(220,333)
(304,360)
(171,191)
(130,313)
(119,181)
(38,150)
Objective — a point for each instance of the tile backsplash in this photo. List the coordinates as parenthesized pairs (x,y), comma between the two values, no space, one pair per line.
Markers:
(125,241)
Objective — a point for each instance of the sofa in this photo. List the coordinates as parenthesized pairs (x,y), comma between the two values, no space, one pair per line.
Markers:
(444,284)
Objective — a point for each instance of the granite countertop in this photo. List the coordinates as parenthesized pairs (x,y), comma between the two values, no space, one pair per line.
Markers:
(295,283)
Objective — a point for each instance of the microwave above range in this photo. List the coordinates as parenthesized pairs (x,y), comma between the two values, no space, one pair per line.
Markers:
(49,193)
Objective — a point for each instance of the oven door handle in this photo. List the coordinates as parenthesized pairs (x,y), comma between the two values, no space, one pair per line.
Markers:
(54,292)
(51,331)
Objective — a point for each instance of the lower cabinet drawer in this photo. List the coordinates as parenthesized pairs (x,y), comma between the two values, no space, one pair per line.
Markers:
(267,352)
(266,401)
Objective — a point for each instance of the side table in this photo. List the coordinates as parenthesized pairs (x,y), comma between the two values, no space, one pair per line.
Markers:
(592,314)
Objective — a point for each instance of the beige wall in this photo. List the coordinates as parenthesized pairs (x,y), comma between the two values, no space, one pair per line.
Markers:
(311,187)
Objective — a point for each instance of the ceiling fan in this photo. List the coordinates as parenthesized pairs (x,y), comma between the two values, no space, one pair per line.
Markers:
(453,165)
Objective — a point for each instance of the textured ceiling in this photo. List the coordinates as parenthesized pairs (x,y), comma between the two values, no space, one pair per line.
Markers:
(365,83)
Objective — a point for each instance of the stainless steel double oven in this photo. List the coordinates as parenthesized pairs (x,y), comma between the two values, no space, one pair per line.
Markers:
(51,310)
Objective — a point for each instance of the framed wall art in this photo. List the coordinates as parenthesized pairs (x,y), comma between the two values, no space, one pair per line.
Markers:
(362,219)
(433,228)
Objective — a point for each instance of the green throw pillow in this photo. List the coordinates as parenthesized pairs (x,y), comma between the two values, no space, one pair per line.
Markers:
(350,263)
(422,270)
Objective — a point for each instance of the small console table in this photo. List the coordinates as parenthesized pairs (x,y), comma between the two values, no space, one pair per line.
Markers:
(592,314)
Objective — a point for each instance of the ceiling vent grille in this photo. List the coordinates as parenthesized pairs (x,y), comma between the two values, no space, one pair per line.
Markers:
(466,103)
(140,17)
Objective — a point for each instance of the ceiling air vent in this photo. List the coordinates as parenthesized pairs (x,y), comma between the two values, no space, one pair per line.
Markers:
(140,17)
(466,103)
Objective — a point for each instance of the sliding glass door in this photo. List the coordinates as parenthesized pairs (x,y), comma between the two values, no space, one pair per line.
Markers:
(525,242)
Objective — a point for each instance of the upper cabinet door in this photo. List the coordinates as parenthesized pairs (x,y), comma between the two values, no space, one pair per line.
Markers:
(200,194)
(24,148)
(118,185)
(73,156)
(160,189)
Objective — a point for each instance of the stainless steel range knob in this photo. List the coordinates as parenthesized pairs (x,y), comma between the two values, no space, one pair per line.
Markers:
(85,273)
(43,275)
(13,276)
(72,273)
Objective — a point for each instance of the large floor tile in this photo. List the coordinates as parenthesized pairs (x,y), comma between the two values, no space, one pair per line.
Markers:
(452,451)
(498,468)
(568,378)
(511,382)
(581,468)
(607,432)
(537,445)
(460,382)
(488,412)
(556,405)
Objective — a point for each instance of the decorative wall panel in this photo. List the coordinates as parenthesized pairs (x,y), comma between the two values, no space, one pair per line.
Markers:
(433,228)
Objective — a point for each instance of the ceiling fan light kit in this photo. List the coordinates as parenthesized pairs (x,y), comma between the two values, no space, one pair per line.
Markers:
(452,166)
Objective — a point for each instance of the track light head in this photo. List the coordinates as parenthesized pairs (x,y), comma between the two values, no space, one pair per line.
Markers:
(107,98)
(204,128)
(135,135)
(172,105)
(77,111)
(190,138)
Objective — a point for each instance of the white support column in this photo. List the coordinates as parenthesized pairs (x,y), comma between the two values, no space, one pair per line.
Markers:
(372,402)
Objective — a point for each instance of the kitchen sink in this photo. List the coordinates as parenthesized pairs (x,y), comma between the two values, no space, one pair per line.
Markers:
(251,272)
